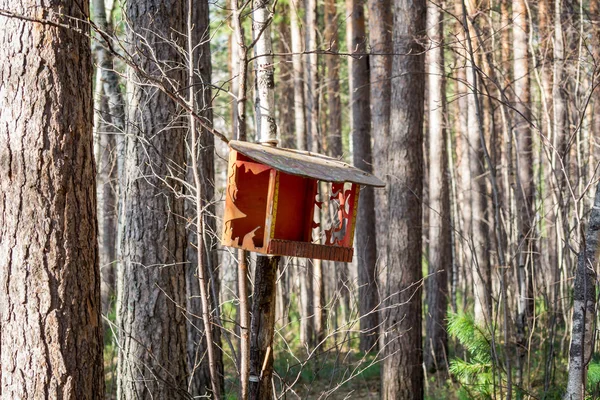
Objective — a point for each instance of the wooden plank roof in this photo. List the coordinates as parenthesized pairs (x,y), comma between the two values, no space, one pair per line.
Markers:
(304,163)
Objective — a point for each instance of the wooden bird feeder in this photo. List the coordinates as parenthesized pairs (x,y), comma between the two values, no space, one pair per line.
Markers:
(272,195)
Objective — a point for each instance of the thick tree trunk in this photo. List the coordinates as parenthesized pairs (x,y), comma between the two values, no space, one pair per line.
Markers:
(50,323)
(402,372)
(200,382)
(440,250)
(366,246)
(380,67)
(583,333)
(152,327)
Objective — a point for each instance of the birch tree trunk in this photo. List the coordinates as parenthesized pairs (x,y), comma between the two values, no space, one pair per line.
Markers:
(402,371)
(152,327)
(262,325)
(50,322)
(440,250)
(583,333)
(366,246)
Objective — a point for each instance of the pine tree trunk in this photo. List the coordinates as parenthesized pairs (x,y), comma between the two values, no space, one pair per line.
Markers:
(152,327)
(524,167)
(198,361)
(440,250)
(50,323)
(402,372)
(380,67)
(334,103)
(301,93)
(299,106)
(478,240)
(366,246)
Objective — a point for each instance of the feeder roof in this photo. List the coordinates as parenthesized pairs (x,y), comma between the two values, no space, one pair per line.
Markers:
(304,163)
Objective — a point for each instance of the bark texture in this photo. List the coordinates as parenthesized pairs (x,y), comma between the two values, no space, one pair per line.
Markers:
(262,325)
(584,307)
(261,328)
(524,166)
(478,243)
(151,287)
(380,67)
(50,328)
(198,360)
(332,63)
(107,127)
(366,246)
(402,372)
(440,240)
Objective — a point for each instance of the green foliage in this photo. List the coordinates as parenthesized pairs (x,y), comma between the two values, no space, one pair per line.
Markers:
(593,379)
(475,375)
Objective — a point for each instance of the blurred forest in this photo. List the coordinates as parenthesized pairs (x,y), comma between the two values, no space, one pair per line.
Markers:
(474,269)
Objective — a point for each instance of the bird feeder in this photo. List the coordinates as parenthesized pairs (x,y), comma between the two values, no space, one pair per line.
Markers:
(273,196)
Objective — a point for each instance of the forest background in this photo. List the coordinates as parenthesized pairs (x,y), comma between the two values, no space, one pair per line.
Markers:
(474,273)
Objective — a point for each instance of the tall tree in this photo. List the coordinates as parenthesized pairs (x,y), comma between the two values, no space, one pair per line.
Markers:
(402,372)
(583,333)
(332,62)
(107,127)
(440,245)
(380,67)
(151,287)
(301,111)
(524,167)
(478,242)
(50,328)
(205,357)
(262,325)
(366,244)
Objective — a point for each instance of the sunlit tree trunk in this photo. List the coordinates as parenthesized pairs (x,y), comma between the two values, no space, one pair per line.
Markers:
(380,67)
(50,322)
(479,237)
(200,381)
(262,326)
(152,325)
(440,250)
(524,169)
(402,370)
(366,246)
(109,124)
(583,333)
